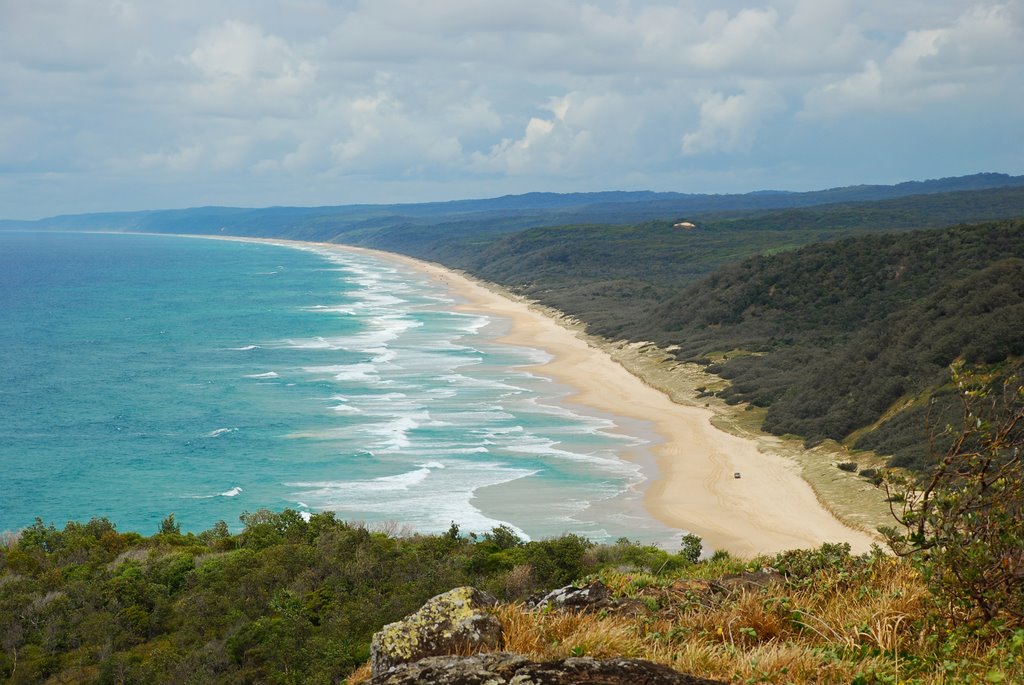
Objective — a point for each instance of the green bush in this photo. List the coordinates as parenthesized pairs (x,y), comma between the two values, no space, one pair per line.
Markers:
(962,523)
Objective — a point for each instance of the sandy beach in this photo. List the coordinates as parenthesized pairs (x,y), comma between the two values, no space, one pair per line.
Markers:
(769,508)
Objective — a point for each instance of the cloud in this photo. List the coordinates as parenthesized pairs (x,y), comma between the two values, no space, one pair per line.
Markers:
(974,52)
(239,64)
(77,37)
(383,136)
(730,123)
(309,99)
(582,134)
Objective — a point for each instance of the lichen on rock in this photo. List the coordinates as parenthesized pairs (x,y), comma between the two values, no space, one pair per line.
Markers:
(455,622)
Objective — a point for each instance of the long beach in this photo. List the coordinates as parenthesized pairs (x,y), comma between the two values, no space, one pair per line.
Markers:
(770,508)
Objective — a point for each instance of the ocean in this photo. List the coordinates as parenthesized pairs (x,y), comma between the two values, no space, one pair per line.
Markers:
(145,375)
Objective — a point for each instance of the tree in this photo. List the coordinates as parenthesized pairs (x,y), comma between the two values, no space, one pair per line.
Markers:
(504,537)
(169,526)
(691,548)
(963,523)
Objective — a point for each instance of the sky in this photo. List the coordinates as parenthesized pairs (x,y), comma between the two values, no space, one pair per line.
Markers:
(110,105)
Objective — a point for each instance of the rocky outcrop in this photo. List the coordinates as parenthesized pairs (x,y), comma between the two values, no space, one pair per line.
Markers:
(420,648)
(511,669)
(714,592)
(594,597)
(456,622)
(746,582)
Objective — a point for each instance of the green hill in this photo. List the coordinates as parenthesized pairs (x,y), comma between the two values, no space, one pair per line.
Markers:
(835,330)
(834,335)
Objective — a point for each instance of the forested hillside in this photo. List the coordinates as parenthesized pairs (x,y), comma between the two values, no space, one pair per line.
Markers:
(285,601)
(832,335)
(828,337)
(610,275)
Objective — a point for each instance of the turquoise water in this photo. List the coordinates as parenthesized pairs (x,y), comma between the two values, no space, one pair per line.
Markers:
(145,375)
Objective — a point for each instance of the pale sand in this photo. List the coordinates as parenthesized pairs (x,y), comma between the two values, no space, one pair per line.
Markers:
(769,509)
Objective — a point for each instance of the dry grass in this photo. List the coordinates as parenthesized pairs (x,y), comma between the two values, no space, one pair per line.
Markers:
(557,635)
(836,627)
(772,634)
(360,675)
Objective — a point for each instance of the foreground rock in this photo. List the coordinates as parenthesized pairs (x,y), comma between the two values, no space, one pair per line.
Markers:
(511,669)
(456,622)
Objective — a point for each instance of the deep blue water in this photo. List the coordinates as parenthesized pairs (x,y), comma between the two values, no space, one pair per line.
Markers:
(145,375)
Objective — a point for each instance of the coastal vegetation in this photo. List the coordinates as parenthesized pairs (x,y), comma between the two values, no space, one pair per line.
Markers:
(296,600)
(289,602)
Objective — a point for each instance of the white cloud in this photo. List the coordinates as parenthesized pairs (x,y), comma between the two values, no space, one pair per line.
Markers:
(583,133)
(384,136)
(242,67)
(730,123)
(974,52)
(322,95)
(177,160)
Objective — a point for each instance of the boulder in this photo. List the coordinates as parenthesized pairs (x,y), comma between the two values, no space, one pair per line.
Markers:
(593,597)
(748,582)
(510,669)
(590,599)
(457,621)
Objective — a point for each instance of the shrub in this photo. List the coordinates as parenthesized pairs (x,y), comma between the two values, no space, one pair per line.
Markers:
(963,523)
(872,475)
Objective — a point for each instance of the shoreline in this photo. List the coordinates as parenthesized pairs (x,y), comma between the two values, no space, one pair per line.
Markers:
(770,508)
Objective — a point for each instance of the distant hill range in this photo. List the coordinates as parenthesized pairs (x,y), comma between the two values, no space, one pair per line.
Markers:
(838,311)
(378,223)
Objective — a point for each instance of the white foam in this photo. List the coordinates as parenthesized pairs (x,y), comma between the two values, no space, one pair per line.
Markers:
(542,447)
(440,373)
(317,343)
(360,373)
(244,349)
(399,481)
(268,374)
(220,431)
(233,492)
(383,355)
(396,431)
(428,499)
(331,308)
